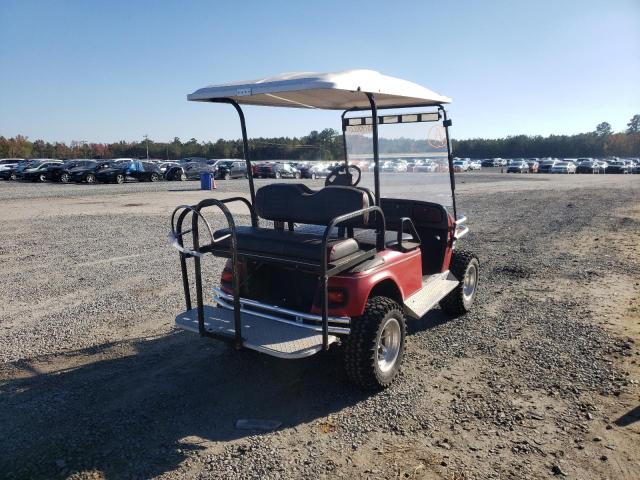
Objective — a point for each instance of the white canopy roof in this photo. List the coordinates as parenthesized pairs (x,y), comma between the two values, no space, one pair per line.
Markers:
(335,91)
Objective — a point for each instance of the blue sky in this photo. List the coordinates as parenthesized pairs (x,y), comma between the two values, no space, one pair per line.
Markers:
(105,71)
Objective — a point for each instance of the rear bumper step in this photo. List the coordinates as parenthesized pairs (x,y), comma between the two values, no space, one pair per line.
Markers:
(262,334)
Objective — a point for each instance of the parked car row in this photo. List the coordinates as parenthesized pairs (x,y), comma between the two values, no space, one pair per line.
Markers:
(118,170)
(573,165)
(121,170)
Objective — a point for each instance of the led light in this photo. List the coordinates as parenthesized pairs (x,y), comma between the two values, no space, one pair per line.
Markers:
(337,296)
(227,276)
(430,117)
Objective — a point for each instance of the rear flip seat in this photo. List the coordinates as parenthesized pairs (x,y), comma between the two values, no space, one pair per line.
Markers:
(282,243)
(299,204)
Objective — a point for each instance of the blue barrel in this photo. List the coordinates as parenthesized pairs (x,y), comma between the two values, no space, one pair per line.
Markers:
(206,181)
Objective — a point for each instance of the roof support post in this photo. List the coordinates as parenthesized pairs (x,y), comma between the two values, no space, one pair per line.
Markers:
(245,143)
(344,138)
(376,159)
(447,123)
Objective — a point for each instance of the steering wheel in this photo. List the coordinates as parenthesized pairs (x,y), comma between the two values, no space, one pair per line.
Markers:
(342,175)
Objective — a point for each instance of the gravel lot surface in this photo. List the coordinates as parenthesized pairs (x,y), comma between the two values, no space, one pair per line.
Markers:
(540,380)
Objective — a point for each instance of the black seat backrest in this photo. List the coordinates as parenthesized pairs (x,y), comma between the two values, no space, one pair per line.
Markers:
(431,221)
(294,202)
(422,214)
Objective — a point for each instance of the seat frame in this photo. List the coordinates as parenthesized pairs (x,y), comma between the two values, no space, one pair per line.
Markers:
(323,269)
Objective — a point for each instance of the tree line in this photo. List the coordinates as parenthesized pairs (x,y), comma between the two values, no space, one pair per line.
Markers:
(328,145)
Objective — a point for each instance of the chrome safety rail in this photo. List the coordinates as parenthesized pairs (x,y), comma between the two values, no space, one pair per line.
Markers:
(254,307)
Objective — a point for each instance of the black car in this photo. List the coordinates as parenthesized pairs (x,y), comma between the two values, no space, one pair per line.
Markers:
(8,165)
(588,165)
(488,162)
(313,171)
(276,170)
(87,172)
(37,172)
(188,171)
(60,172)
(229,169)
(13,171)
(618,166)
(123,171)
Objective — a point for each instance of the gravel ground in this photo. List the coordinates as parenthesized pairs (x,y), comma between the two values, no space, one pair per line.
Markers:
(540,380)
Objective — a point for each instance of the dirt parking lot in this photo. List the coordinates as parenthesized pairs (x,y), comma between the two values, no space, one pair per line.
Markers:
(540,380)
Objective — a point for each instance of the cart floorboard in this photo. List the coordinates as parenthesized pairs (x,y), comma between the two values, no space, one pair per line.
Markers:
(434,288)
(259,333)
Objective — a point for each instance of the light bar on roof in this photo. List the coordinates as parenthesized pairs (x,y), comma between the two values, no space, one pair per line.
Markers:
(391,119)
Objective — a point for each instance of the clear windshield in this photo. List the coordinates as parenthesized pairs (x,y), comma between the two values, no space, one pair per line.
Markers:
(403,150)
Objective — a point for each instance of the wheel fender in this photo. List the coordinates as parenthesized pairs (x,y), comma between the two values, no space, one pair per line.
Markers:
(399,280)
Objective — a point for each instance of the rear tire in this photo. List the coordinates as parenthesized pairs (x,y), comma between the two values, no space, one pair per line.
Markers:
(91,178)
(155,177)
(374,349)
(42,178)
(119,178)
(64,178)
(464,266)
(277,175)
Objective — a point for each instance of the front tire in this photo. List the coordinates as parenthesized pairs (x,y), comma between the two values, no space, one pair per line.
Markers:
(464,266)
(42,178)
(90,178)
(277,175)
(120,179)
(155,177)
(374,349)
(64,178)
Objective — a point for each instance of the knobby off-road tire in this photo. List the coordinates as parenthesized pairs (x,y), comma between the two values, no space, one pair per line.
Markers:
(465,266)
(363,352)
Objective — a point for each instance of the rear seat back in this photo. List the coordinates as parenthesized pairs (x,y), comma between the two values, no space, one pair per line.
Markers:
(292,202)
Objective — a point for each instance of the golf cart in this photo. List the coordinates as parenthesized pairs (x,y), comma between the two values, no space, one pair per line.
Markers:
(341,265)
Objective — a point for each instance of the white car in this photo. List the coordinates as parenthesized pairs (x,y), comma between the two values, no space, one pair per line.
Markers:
(428,167)
(393,167)
(475,165)
(564,167)
(460,166)
(166,165)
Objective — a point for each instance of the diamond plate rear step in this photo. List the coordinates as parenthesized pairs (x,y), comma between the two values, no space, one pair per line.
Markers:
(434,288)
(259,333)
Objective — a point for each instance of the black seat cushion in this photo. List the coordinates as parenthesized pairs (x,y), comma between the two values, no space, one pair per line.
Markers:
(283,243)
(295,202)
